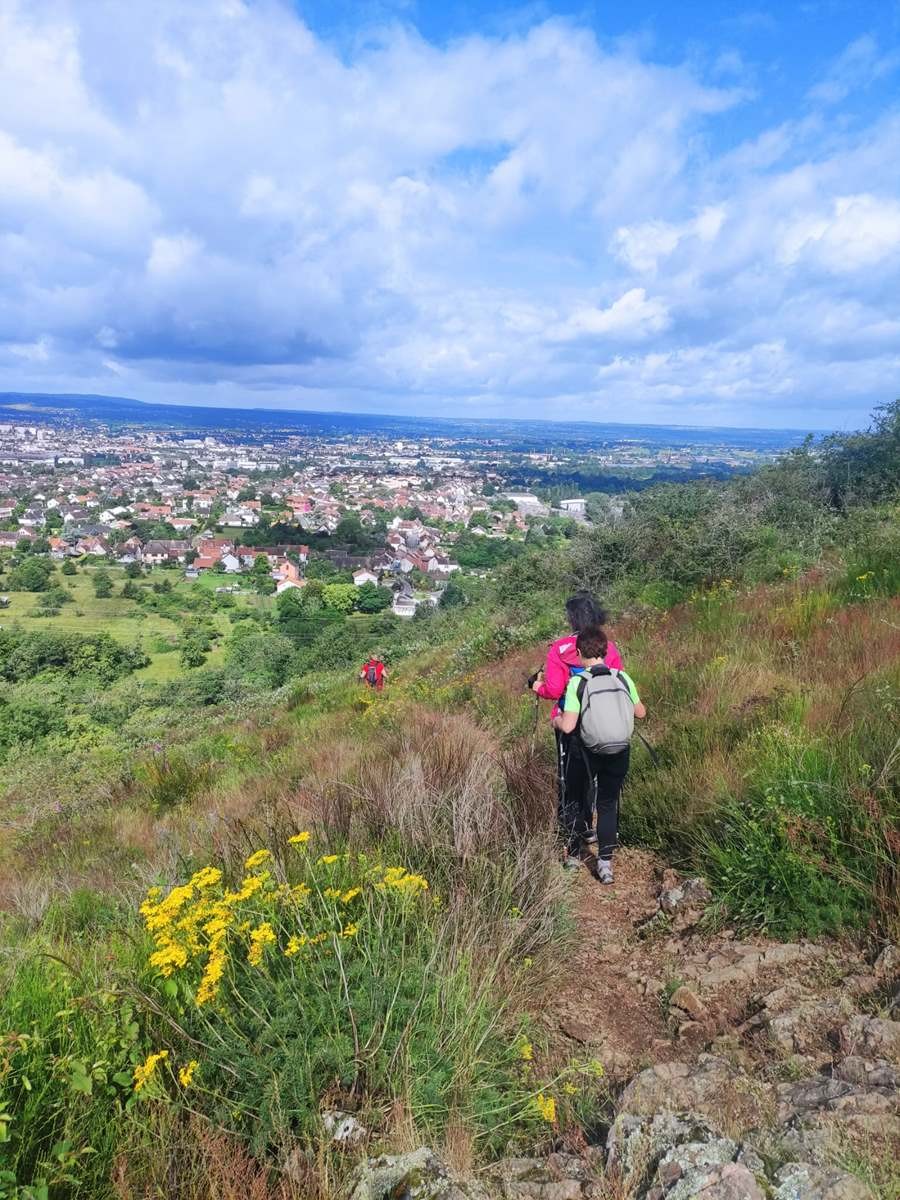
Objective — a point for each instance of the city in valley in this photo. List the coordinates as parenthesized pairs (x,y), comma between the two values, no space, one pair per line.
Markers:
(393,507)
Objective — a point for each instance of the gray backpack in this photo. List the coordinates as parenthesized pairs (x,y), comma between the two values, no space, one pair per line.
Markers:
(607,712)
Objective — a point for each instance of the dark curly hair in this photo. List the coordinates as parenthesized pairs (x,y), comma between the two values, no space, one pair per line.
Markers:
(583,610)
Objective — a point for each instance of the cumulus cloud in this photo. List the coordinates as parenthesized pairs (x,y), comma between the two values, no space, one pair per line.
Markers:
(207,202)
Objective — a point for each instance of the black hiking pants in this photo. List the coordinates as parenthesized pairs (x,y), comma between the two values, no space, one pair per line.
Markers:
(589,782)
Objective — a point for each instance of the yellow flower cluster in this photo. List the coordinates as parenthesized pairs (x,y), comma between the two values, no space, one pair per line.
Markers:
(546,1107)
(186,1074)
(526,1051)
(257,858)
(145,1072)
(198,926)
(398,879)
(260,937)
(299,839)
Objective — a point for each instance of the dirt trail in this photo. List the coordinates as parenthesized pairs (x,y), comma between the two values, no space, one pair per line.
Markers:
(601,1001)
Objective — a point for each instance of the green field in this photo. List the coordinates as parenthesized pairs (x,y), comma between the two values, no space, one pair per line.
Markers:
(127,620)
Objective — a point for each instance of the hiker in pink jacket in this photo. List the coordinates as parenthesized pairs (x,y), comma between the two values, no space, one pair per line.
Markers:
(550,683)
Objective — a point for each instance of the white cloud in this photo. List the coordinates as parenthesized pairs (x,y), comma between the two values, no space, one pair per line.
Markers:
(860,231)
(633,316)
(209,199)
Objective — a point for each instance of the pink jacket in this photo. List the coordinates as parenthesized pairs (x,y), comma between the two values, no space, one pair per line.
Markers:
(561,657)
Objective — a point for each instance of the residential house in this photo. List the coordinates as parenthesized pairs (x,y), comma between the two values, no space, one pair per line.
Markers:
(287,576)
(92,545)
(364,575)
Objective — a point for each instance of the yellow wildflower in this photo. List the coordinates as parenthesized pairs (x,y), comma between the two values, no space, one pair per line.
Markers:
(300,892)
(257,858)
(351,894)
(570,1089)
(350,930)
(526,1051)
(215,969)
(186,1074)
(546,1107)
(144,1073)
(299,839)
(263,935)
(398,879)
(328,859)
(331,893)
(295,944)
(249,887)
(206,877)
(168,957)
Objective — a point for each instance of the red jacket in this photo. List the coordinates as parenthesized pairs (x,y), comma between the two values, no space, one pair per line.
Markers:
(379,669)
(562,655)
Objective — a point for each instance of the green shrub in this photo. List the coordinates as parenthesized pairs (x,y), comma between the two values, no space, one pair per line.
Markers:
(336,980)
(67,1056)
(168,778)
(795,854)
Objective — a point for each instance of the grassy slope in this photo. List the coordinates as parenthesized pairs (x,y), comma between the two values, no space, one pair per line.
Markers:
(774,713)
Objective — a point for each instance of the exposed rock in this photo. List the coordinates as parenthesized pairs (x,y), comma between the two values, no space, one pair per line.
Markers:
(872,1037)
(712,1088)
(836,1096)
(875,1073)
(887,964)
(344,1128)
(419,1175)
(560,1177)
(803,1181)
(806,1027)
(684,902)
(637,1143)
(689,1002)
(787,953)
(730,1181)
(737,973)
(860,984)
(580,1031)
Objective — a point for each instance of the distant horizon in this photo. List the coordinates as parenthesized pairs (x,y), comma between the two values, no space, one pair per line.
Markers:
(403,415)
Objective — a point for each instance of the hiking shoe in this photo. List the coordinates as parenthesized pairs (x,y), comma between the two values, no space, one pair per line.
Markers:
(604,874)
(571,861)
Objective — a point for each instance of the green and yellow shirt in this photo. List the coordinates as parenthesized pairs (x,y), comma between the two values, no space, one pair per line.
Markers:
(571,702)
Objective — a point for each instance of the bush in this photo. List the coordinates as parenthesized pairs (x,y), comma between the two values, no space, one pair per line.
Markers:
(168,778)
(96,655)
(67,1082)
(336,980)
(32,575)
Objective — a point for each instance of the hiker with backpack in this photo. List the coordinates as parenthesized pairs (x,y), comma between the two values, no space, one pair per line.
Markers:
(550,683)
(374,673)
(597,715)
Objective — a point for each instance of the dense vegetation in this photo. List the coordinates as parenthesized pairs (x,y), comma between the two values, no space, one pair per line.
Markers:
(184,989)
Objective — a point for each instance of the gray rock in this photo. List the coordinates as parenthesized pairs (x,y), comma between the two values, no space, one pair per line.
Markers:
(559,1177)
(874,1073)
(805,1027)
(804,1181)
(419,1175)
(712,1088)
(343,1128)
(637,1143)
(872,1037)
(887,964)
(730,1181)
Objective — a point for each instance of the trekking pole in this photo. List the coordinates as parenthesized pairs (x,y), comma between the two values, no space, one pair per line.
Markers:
(534,723)
(654,757)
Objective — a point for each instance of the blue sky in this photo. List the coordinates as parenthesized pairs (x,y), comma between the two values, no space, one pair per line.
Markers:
(683,213)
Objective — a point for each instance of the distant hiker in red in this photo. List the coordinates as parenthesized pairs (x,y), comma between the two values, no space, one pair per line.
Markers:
(550,683)
(374,673)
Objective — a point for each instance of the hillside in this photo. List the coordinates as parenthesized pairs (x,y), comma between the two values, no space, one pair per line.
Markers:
(260,929)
